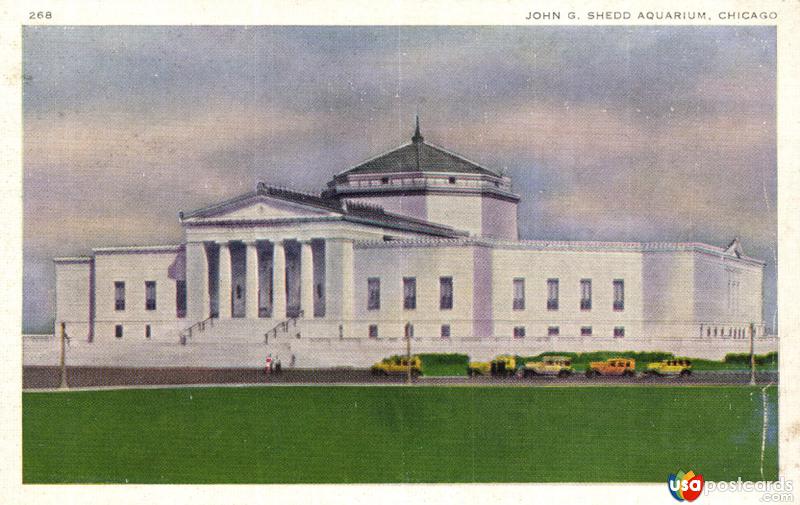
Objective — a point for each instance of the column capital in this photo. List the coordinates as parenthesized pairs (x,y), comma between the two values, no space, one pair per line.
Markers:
(250,242)
(197,243)
(223,242)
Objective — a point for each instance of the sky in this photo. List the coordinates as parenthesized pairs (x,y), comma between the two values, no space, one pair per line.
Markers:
(608,133)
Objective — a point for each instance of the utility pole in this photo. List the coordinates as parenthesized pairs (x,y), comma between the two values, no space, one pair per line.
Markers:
(64,339)
(408,352)
(752,355)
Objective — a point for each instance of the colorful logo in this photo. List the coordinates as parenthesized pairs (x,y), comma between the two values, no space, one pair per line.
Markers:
(685,486)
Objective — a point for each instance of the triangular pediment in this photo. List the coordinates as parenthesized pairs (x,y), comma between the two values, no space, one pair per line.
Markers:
(258,207)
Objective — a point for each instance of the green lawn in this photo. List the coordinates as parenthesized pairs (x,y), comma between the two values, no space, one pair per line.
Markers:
(396,434)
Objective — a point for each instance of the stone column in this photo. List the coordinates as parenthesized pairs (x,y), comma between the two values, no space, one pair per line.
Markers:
(348,287)
(251,285)
(225,281)
(278,280)
(307,279)
(197,297)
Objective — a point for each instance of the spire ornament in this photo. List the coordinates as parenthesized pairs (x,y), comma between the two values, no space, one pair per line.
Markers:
(417,138)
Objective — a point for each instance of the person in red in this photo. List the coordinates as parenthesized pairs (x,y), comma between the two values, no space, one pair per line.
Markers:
(268,367)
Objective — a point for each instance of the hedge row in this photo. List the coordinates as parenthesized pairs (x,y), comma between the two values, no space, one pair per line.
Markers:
(435,359)
(744,358)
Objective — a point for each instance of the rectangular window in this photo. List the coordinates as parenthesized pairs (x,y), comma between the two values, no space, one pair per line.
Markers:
(147,332)
(552,331)
(118,331)
(445,293)
(619,331)
(180,298)
(586,294)
(519,294)
(519,332)
(619,294)
(373,331)
(409,331)
(552,294)
(150,295)
(586,331)
(119,295)
(373,293)
(409,293)
(445,331)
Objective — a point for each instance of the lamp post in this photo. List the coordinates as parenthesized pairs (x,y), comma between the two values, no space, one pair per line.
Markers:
(752,355)
(63,360)
(408,352)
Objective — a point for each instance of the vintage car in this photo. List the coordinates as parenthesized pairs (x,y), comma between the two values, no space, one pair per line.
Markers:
(397,365)
(502,366)
(682,367)
(560,366)
(612,366)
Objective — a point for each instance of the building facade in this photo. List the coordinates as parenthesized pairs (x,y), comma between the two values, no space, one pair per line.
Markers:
(416,243)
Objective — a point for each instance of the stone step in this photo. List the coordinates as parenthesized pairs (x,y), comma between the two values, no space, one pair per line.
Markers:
(244,330)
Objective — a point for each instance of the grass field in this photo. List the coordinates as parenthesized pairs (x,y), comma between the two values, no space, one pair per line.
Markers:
(396,434)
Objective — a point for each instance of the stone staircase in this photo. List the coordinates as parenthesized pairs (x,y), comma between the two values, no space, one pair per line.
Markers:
(241,330)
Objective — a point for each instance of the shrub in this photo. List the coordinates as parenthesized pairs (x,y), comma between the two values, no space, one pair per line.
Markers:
(744,358)
(436,359)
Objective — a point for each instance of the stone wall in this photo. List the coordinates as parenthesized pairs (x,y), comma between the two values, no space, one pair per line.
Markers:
(334,352)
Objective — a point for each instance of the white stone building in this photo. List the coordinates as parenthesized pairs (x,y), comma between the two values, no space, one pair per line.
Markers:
(417,241)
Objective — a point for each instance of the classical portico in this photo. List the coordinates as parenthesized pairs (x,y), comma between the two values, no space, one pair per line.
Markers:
(257,278)
(275,254)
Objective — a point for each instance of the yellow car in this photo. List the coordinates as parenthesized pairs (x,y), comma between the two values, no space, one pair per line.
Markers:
(502,366)
(397,365)
(479,368)
(682,367)
(613,366)
(549,365)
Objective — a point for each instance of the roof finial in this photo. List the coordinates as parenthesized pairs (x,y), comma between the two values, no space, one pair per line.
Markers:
(417,135)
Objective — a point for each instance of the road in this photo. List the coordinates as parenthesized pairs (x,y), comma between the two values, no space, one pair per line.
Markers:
(89,377)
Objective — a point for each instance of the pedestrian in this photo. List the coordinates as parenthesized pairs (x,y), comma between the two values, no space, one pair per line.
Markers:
(268,367)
